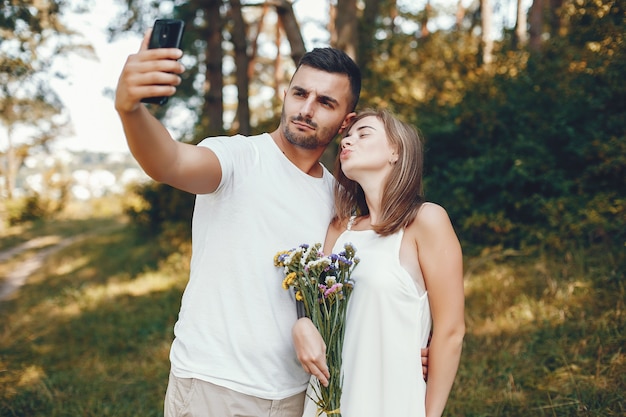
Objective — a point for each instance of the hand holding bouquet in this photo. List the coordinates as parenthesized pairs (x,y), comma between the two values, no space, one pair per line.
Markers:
(323,284)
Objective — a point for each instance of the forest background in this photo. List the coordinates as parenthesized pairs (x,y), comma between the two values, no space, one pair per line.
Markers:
(524,118)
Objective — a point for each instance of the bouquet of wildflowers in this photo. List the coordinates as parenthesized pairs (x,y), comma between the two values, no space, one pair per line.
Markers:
(324,286)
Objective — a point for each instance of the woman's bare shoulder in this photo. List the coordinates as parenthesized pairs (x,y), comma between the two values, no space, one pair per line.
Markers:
(430,220)
(431,214)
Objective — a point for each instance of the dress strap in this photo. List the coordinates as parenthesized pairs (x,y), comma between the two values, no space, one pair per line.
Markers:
(351,222)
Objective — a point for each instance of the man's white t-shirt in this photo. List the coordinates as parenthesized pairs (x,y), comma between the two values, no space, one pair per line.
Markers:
(234,325)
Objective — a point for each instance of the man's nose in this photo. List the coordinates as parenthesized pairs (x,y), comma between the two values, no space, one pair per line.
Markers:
(308,107)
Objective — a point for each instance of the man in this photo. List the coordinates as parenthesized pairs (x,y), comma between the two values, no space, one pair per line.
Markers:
(233,352)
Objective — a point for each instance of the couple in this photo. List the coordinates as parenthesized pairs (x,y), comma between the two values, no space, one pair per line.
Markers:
(239,348)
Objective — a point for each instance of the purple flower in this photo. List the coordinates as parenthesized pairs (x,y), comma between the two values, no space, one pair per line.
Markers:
(343,261)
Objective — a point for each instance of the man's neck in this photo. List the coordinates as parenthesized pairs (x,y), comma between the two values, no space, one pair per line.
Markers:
(306,160)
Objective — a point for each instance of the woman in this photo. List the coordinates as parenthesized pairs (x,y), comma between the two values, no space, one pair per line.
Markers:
(410,275)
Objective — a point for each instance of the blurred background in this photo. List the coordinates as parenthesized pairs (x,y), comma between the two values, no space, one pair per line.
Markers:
(522,104)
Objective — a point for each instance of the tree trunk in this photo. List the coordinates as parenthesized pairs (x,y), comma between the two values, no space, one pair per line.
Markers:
(345,34)
(424,31)
(521,32)
(241,62)
(255,41)
(460,14)
(278,65)
(556,23)
(536,25)
(486,16)
(292,29)
(212,118)
(11,166)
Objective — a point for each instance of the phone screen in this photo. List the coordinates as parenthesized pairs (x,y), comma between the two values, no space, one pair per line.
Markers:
(166,33)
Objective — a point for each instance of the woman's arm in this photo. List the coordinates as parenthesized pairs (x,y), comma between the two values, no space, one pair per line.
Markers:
(441,261)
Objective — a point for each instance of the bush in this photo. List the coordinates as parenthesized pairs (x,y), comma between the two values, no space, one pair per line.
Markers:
(536,154)
(152,206)
(30,208)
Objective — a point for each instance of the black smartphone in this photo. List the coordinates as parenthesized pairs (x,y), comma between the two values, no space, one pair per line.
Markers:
(166,33)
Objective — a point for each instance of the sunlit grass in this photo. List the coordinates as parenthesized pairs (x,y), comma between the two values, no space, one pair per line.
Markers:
(89,334)
(77,217)
(545,337)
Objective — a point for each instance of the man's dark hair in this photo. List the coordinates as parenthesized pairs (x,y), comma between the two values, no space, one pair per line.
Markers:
(335,61)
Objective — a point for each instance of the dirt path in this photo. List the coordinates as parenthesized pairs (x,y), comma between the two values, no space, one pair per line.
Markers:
(15,278)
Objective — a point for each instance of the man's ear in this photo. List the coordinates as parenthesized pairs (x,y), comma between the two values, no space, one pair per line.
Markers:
(346,121)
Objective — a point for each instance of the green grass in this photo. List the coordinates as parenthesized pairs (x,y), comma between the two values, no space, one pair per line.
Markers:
(89,333)
(546,337)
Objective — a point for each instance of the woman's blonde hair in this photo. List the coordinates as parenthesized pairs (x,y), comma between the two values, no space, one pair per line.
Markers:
(403,191)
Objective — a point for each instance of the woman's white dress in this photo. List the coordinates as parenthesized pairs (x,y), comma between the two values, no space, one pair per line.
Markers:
(388,322)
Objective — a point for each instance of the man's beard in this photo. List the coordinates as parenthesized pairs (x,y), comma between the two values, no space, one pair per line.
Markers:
(301,140)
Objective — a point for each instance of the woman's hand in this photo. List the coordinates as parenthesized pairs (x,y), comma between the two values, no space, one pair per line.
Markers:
(311,349)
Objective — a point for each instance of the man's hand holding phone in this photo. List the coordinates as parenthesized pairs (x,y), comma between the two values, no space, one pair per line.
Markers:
(150,75)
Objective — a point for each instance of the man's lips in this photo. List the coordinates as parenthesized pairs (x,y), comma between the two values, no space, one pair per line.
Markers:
(303,125)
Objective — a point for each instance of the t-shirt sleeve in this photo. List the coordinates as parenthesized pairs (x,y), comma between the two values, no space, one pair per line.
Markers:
(237,155)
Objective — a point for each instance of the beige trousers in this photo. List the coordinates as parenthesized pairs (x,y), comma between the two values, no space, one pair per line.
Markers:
(190,397)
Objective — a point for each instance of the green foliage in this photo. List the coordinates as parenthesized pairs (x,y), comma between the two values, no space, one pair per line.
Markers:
(32,207)
(32,36)
(532,150)
(154,206)
(25,209)
(33,33)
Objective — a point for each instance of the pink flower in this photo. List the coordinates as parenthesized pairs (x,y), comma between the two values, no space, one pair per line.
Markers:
(332,290)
